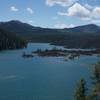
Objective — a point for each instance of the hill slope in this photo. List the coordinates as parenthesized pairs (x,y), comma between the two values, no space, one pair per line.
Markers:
(87,36)
(26,29)
(10,41)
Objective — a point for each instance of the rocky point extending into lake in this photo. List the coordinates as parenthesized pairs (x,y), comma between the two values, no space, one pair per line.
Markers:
(60,52)
(55,52)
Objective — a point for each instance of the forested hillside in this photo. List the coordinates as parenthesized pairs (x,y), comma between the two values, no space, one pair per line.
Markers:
(86,36)
(9,40)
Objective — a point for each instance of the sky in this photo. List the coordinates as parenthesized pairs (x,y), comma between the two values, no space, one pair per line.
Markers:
(51,13)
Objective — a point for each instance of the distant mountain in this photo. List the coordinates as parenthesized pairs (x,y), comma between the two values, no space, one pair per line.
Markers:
(17,27)
(86,36)
(90,28)
(26,29)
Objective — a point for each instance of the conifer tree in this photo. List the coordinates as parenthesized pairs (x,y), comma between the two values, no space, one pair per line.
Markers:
(80,93)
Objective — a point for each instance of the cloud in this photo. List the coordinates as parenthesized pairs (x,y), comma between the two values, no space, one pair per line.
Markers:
(95,21)
(30,22)
(30,10)
(62,13)
(80,11)
(86,18)
(96,13)
(88,6)
(62,26)
(13,8)
(63,3)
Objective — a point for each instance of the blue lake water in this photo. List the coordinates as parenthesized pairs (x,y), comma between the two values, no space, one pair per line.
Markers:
(37,78)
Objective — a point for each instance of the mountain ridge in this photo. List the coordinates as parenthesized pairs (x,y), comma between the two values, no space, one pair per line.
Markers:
(20,22)
(86,36)
(24,28)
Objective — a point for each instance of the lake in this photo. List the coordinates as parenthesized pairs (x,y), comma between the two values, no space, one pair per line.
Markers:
(41,78)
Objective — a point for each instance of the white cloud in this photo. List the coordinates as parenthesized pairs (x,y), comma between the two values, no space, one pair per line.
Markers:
(62,26)
(13,8)
(86,18)
(82,12)
(95,21)
(96,12)
(88,6)
(30,10)
(78,10)
(62,13)
(31,22)
(63,3)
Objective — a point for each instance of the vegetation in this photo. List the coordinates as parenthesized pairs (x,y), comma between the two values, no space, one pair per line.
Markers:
(87,36)
(53,52)
(9,40)
(61,52)
(68,40)
(81,90)
(95,95)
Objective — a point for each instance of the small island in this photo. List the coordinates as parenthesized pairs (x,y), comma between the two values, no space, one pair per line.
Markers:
(27,55)
(53,52)
(67,53)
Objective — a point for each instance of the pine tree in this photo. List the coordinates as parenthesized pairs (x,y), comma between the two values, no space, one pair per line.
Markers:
(96,83)
(80,93)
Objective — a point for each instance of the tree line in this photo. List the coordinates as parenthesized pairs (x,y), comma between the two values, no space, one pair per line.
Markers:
(10,40)
(82,92)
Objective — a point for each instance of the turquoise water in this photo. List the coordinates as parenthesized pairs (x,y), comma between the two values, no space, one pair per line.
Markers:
(37,78)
